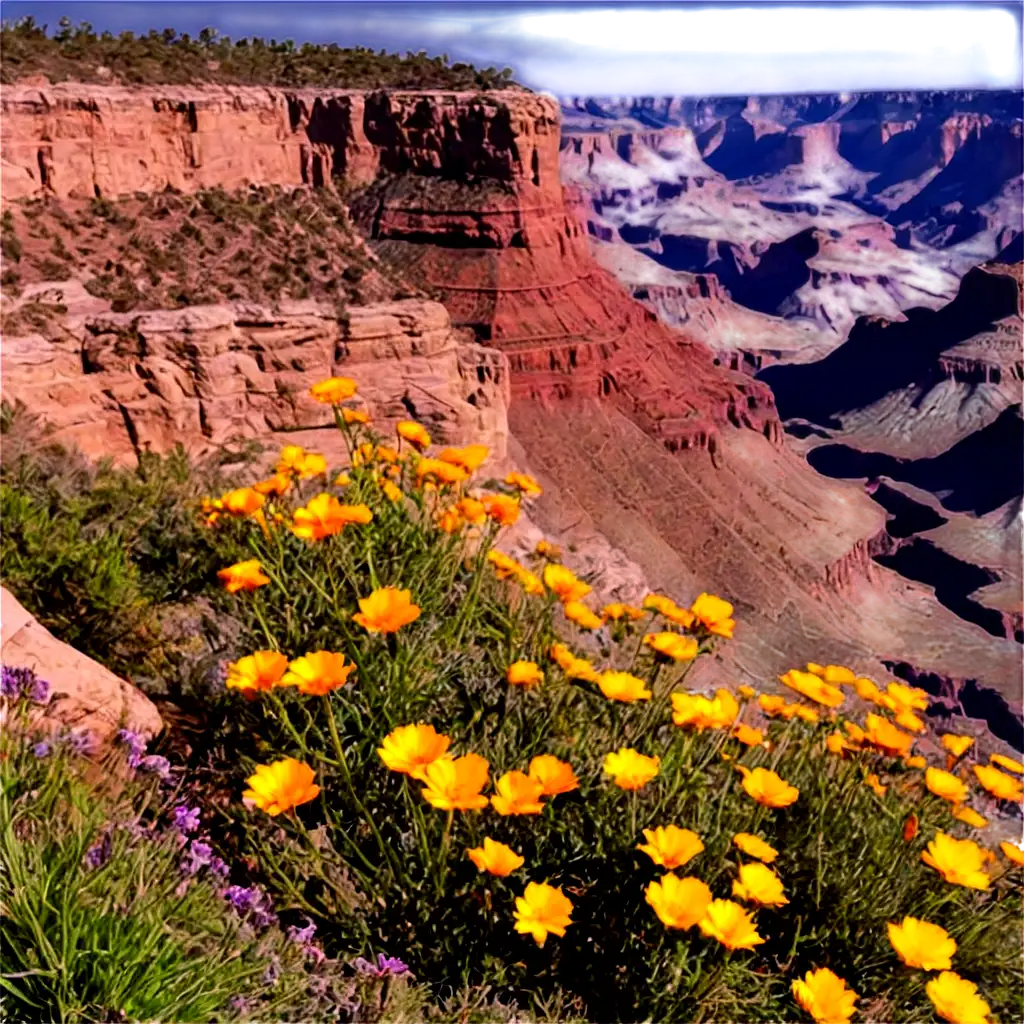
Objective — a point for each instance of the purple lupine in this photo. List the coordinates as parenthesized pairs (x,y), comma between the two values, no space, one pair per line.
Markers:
(156,764)
(23,682)
(99,853)
(241,897)
(186,819)
(136,745)
(42,749)
(79,742)
(219,867)
(302,935)
(385,966)
(199,856)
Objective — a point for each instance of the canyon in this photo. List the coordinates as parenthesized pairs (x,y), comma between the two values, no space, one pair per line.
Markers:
(594,330)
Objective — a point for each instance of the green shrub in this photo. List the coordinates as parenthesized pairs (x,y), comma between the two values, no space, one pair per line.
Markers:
(110,913)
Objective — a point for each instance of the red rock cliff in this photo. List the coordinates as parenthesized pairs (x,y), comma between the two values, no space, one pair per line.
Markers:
(465,195)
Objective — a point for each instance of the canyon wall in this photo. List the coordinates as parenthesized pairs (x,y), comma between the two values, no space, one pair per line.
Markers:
(120,383)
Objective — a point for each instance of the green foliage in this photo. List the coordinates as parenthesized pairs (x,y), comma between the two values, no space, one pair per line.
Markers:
(95,552)
(78,53)
(124,936)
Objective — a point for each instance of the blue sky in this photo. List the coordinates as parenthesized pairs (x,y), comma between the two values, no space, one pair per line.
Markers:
(632,48)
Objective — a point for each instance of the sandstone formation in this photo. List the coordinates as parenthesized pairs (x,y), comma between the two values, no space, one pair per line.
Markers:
(203,376)
(85,696)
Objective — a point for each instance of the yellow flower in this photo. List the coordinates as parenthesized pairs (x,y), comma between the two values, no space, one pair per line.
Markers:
(759,884)
(291,459)
(754,846)
(471,510)
(824,995)
(1012,853)
(334,390)
(391,491)
(630,769)
(678,902)
(867,689)
(562,582)
(354,416)
(503,509)
(883,735)
(694,711)
(799,711)
(325,516)
(278,787)
(258,672)
(342,480)
(541,911)
(813,688)
(957,745)
(746,692)
(470,458)
(495,858)
(623,686)
(714,614)
(529,582)
(747,736)
(1007,762)
(525,483)
(414,433)
(554,776)
(772,704)
(856,734)
(956,999)
(411,748)
(450,521)
(969,816)
(671,847)
(767,788)
(909,721)
(525,674)
(243,501)
(455,785)
(386,610)
(837,675)
(504,566)
(617,610)
(836,743)
(659,603)
(439,472)
(907,698)
(876,786)
(945,785)
(578,612)
(959,861)
(730,924)
(517,793)
(311,465)
(279,483)
(318,673)
(917,761)
(545,549)
(1004,787)
(246,575)
(922,944)
(672,646)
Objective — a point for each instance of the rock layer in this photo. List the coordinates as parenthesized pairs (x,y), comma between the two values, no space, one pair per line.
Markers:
(207,375)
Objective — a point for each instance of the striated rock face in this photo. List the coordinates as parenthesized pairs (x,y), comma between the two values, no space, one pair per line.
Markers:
(205,375)
(506,252)
(85,695)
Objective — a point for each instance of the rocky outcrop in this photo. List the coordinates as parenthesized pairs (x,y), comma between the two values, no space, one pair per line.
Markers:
(118,384)
(85,696)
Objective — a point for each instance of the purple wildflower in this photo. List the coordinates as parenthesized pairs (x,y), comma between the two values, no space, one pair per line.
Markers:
(79,741)
(385,966)
(15,682)
(157,765)
(136,745)
(252,903)
(199,856)
(219,867)
(99,853)
(302,935)
(40,691)
(41,749)
(239,1004)
(273,971)
(186,819)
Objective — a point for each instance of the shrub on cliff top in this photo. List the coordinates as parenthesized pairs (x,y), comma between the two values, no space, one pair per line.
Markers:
(79,54)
